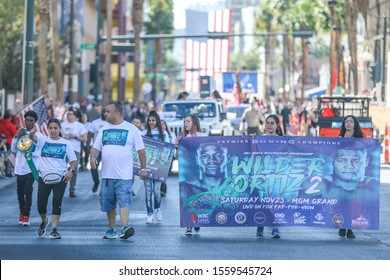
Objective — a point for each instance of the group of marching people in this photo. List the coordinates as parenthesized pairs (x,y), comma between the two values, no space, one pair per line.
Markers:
(110,140)
(56,158)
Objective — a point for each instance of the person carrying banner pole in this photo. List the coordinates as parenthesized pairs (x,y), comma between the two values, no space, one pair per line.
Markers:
(153,187)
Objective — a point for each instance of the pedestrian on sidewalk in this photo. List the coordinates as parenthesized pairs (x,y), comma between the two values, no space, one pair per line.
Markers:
(153,187)
(54,174)
(24,176)
(116,141)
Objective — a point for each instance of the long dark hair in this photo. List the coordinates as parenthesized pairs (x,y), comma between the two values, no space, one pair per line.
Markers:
(158,123)
(357,133)
(168,130)
(57,121)
(279,130)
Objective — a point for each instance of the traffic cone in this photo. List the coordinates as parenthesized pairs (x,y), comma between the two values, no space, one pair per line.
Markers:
(387,144)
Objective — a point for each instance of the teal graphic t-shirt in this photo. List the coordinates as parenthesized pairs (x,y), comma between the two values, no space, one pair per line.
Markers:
(116,137)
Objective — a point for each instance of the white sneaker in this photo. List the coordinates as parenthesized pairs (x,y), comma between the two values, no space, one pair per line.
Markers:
(158,215)
(149,219)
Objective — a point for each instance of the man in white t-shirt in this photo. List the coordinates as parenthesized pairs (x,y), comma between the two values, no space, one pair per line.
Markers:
(76,133)
(116,141)
(93,131)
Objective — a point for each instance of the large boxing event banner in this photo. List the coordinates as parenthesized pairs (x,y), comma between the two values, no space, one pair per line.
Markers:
(279,181)
(159,157)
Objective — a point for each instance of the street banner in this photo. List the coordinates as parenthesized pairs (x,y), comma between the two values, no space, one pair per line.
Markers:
(205,86)
(279,181)
(159,157)
(248,82)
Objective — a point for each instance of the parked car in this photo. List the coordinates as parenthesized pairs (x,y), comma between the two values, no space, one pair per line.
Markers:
(234,115)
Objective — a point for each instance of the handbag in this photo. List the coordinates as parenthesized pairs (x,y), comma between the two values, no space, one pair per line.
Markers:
(51,178)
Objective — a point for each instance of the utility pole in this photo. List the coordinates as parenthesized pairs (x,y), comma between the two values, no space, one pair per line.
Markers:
(72,77)
(383,94)
(107,62)
(28,53)
(97,53)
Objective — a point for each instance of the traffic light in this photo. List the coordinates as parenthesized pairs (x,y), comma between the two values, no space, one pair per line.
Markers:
(375,72)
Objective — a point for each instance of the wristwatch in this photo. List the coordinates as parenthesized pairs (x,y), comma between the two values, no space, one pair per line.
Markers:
(144,170)
(70,169)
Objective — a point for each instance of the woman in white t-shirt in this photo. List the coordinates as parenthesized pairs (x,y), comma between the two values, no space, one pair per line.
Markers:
(55,152)
(191,128)
(153,130)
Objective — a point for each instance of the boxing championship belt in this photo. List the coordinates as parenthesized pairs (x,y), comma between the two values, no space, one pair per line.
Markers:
(26,146)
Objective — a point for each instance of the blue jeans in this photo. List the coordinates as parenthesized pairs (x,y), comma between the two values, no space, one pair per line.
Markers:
(152,186)
(113,192)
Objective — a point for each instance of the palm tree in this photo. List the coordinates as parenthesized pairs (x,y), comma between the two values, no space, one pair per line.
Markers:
(160,22)
(43,31)
(11,47)
(56,51)
(137,26)
(290,16)
(351,13)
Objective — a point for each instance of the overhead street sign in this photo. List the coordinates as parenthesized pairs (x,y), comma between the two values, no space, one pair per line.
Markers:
(123,47)
(88,46)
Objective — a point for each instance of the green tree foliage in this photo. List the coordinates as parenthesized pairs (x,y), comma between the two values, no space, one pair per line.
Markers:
(248,61)
(11,43)
(160,21)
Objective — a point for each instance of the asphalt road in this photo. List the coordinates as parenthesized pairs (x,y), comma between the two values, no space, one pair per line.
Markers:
(82,226)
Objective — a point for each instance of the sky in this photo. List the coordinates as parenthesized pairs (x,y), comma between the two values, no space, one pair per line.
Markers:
(180,7)
(179,13)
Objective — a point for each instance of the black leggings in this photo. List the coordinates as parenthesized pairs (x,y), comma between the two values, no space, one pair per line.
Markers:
(44,191)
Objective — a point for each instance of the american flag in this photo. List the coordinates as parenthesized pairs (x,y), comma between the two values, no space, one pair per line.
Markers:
(11,158)
(40,108)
